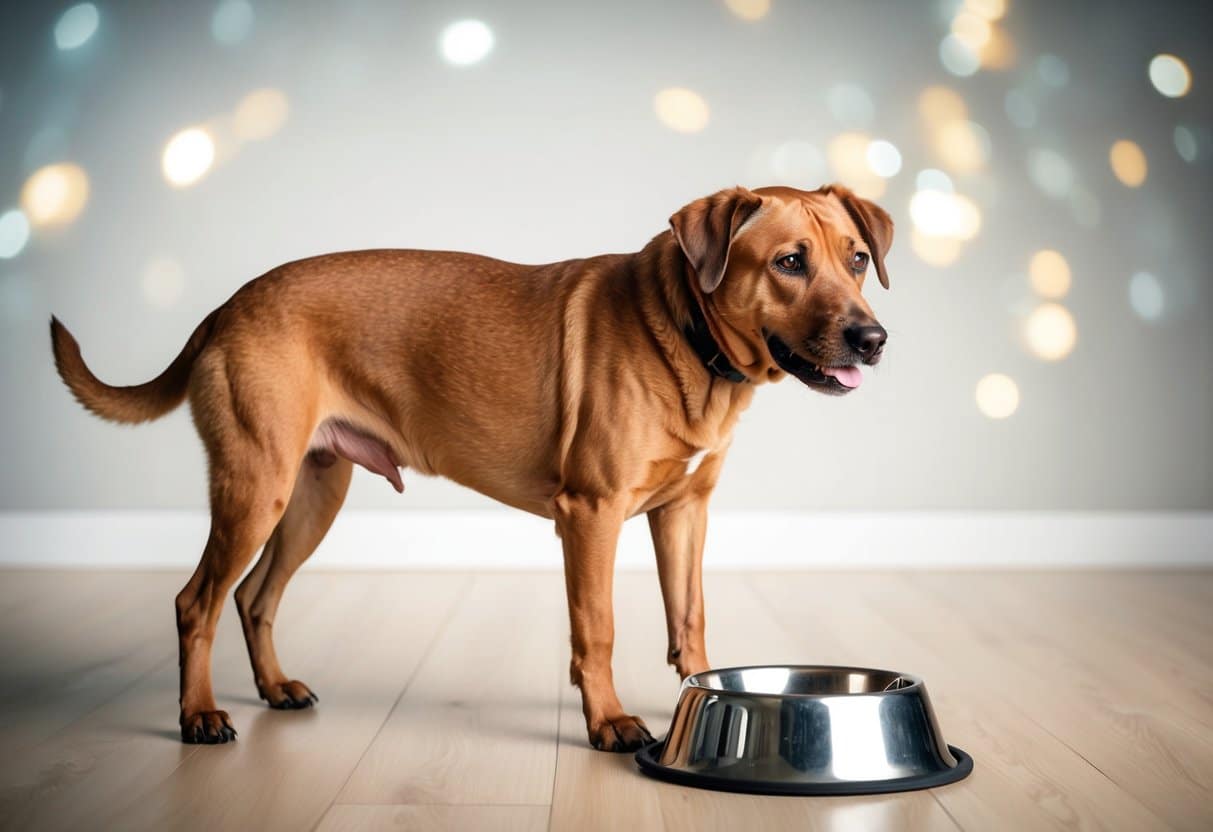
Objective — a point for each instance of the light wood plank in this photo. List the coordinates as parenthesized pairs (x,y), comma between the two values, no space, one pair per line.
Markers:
(77,641)
(349,817)
(1023,777)
(478,723)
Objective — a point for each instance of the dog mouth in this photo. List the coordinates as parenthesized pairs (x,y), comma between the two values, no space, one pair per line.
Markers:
(835,380)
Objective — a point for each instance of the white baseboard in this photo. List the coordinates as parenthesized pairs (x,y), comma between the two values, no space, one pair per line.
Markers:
(490,539)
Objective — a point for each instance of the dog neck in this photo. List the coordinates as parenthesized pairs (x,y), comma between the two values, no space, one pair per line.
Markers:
(699,334)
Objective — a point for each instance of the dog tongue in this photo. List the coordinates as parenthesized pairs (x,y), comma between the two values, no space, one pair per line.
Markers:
(848,376)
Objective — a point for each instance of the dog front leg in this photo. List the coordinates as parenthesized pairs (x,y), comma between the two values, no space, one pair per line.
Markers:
(678,534)
(589,530)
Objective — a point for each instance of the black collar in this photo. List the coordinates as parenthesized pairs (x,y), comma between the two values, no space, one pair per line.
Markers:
(705,345)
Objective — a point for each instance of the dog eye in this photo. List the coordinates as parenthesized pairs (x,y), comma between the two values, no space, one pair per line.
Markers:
(791,263)
(859,261)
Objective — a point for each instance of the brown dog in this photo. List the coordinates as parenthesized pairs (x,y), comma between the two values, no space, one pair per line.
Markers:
(586,391)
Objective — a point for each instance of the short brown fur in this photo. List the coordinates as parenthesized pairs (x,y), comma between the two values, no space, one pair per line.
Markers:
(568,390)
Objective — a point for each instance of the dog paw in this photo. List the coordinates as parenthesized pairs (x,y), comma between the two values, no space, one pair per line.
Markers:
(207,727)
(619,733)
(289,696)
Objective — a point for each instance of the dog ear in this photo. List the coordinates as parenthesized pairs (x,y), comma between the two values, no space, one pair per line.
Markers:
(705,230)
(875,226)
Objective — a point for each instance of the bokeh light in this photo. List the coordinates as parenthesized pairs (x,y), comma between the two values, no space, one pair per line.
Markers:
(76,26)
(1146,296)
(932,179)
(14,233)
(1050,172)
(935,251)
(1128,163)
(1049,274)
(163,282)
(964,146)
(989,9)
(681,109)
(188,156)
(972,30)
(941,214)
(884,159)
(232,22)
(848,157)
(466,42)
(1020,109)
(260,114)
(55,194)
(958,57)
(1170,76)
(1186,144)
(851,105)
(749,9)
(997,396)
(998,52)
(941,105)
(1050,332)
(1053,70)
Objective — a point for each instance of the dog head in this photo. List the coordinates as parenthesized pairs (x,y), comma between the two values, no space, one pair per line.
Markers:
(780,273)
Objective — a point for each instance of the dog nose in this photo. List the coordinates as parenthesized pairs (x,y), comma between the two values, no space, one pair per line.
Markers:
(868,341)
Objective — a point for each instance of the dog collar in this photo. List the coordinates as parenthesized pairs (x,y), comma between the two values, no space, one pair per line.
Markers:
(705,345)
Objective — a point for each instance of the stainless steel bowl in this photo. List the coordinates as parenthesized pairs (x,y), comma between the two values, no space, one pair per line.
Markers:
(804,730)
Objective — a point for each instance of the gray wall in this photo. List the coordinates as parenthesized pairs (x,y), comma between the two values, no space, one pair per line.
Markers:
(550,149)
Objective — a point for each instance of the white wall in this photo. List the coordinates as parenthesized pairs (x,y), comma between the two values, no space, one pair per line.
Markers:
(550,149)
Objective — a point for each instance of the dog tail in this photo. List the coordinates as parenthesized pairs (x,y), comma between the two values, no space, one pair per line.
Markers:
(137,403)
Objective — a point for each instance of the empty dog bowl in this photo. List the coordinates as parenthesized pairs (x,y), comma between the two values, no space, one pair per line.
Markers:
(804,730)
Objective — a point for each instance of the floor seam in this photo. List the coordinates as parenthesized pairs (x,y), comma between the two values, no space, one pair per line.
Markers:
(425,656)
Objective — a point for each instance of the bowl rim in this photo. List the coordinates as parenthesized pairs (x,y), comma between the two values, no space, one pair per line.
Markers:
(692,681)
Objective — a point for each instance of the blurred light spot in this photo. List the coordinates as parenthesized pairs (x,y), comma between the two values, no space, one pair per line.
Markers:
(76,26)
(55,194)
(1085,207)
(1050,172)
(883,158)
(749,9)
(998,52)
(1050,332)
(466,42)
(940,105)
(232,22)
(1185,144)
(14,233)
(1020,109)
(798,162)
(1128,163)
(958,57)
(997,396)
(188,156)
(1053,70)
(45,146)
(939,214)
(1170,76)
(931,179)
(260,114)
(935,251)
(1049,274)
(964,146)
(681,109)
(989,9)
(851,105)
(848,155)
(163,282)
(1145,296)
(972,30)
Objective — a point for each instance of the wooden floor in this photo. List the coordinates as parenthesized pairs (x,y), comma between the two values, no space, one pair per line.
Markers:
(1085,698)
